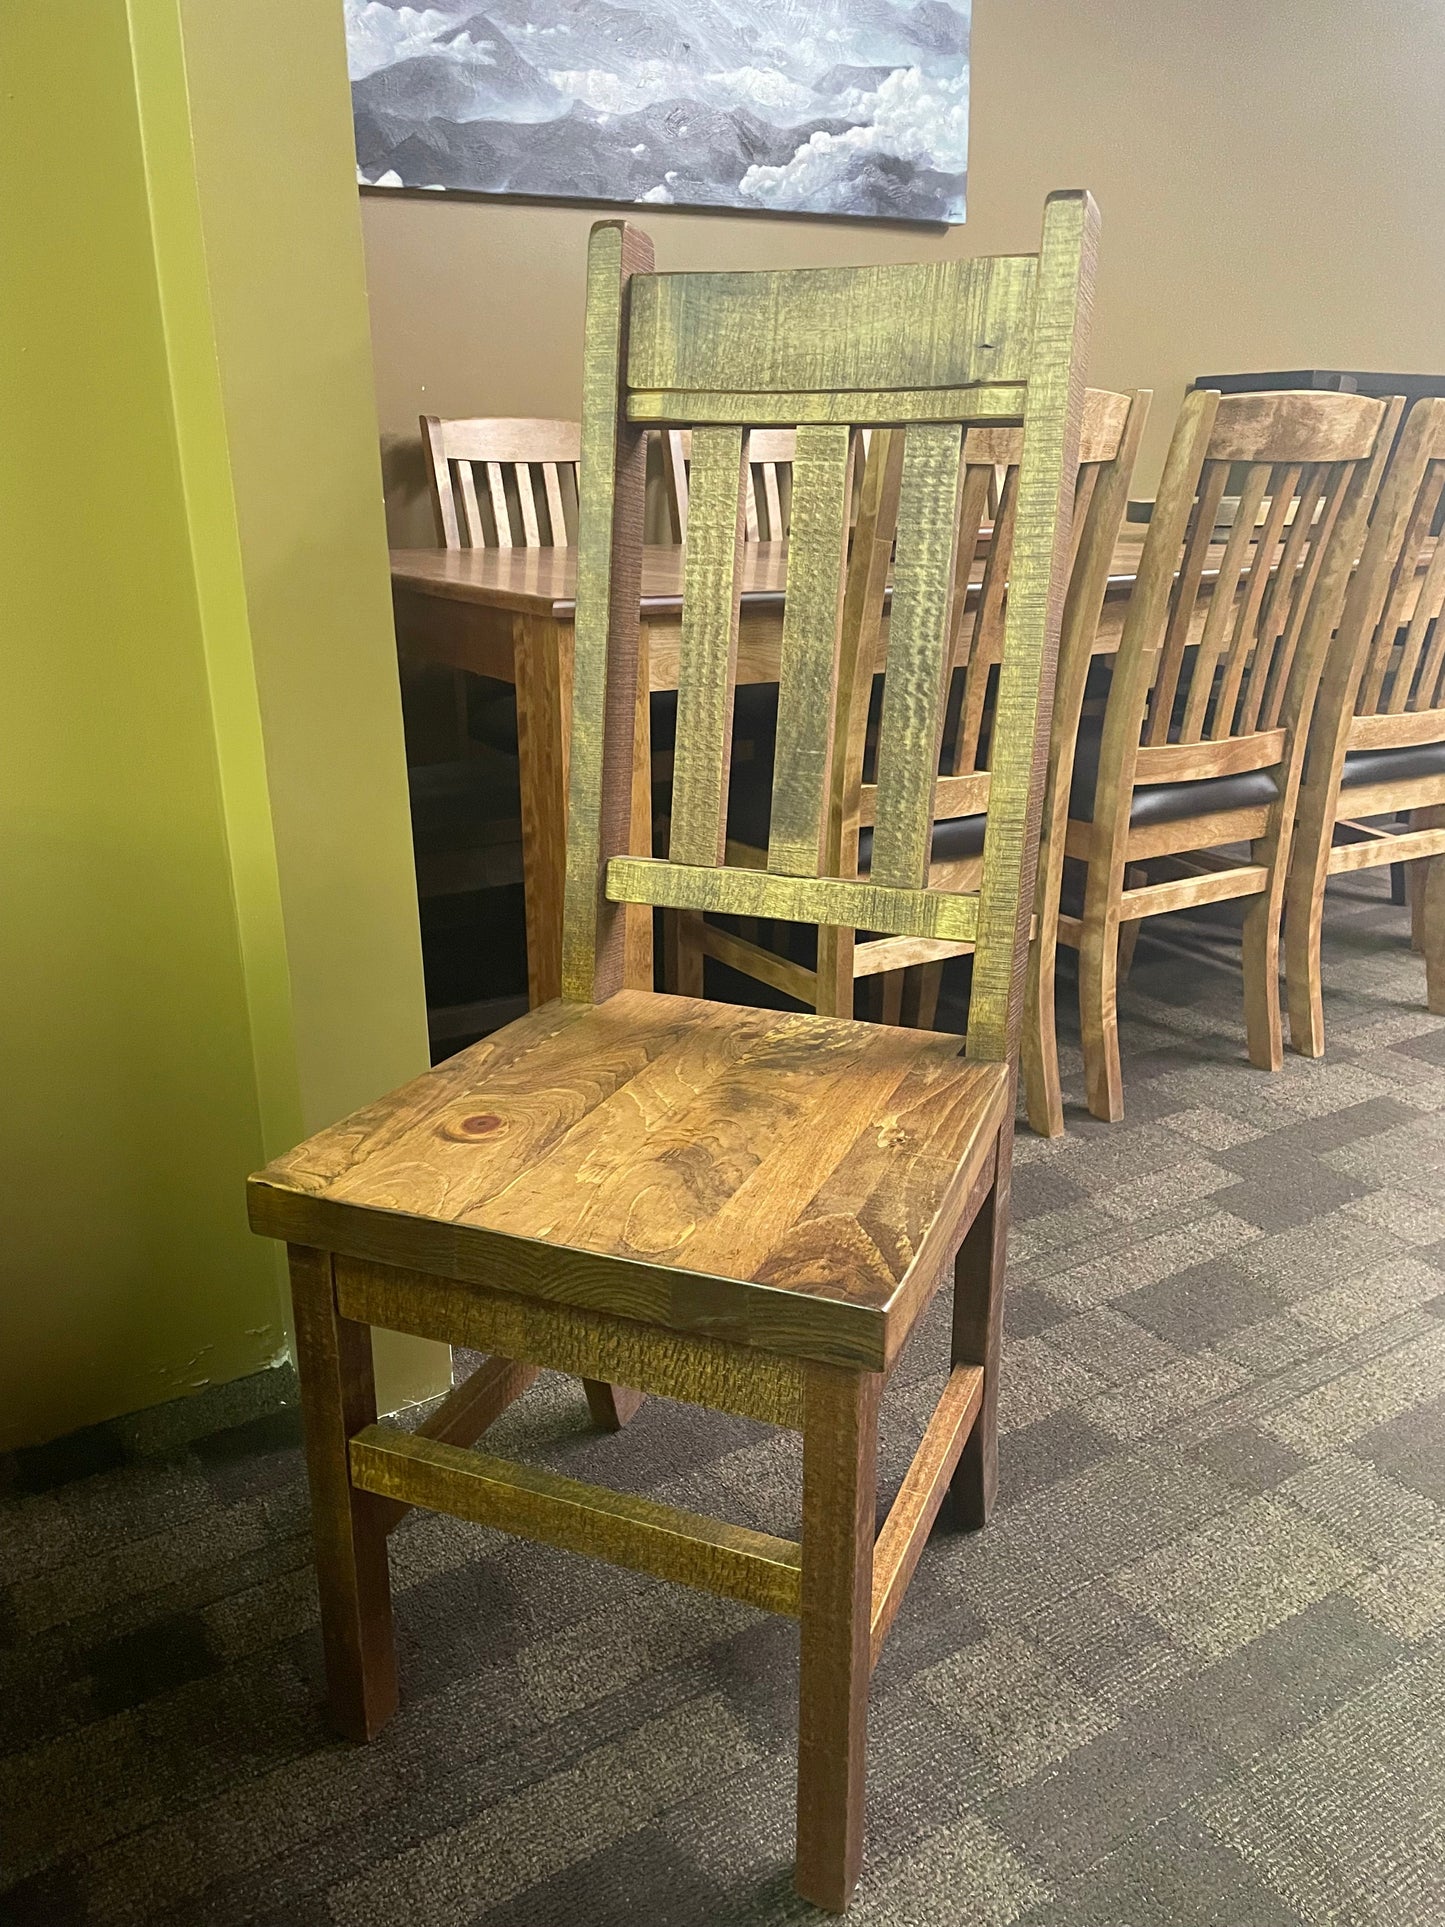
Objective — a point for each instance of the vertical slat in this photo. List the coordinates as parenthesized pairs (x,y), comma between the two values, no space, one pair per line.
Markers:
(808,668)
(774,501)
(1186,591)
(556,514)
(1401,581)
(1218,621)
(1415,635)
(707,648)
(674,467)
(840,1448)
(440,476)
(497,493)
(986,643)
(527,502)
(869,561)
(471,507)
(1249,649)
(752,528)
(1344,481)
(1063,309)
(918,667)
(613,478)
(1274,614)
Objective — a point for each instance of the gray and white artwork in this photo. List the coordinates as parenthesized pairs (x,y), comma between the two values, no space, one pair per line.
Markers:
(854,107)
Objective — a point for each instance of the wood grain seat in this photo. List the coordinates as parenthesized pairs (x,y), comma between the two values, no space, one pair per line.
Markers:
(796,1175)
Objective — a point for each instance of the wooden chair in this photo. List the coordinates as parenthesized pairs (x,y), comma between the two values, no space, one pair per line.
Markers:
(735,1207)
(1377,738)
(1109,440)
(1204,728)
(501,482)
(768,488)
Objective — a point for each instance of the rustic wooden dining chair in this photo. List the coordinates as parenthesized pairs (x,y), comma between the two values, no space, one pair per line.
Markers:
(1109,439)
(1204,728)
(1377,737)
(767,489)
(745,1209)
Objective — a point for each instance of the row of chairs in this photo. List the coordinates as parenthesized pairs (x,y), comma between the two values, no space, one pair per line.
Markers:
(1278,683)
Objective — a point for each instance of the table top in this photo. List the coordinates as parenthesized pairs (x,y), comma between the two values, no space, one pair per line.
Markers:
(544,581)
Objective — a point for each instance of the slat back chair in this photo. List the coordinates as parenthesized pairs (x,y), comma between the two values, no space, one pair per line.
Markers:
(1377,737)
(742,1208)
(767,489)
(1204,729)
(988,496)
(502,482)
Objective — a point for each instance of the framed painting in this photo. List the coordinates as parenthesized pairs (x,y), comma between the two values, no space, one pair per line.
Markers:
(842,107)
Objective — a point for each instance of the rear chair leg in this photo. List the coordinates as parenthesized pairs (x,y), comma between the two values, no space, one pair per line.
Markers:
(840,1443)
(978,1272)
(1099,1017)
(338,1398)
(611,1406)
(1432,932)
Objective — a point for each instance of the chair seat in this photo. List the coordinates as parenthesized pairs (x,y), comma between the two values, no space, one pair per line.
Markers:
(787,1181)
(1405,764)
(1165,802)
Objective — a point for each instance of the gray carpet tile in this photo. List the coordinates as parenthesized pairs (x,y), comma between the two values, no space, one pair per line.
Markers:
(1192,1675)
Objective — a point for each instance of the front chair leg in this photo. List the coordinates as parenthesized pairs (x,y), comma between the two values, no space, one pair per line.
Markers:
(611,1406)
(1432,932)
(978,1273)
(338,1398)
(840,1446)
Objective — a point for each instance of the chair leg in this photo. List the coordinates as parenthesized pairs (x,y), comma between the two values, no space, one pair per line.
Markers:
(1099,1014)
(840,1441)
(890,997)
(688,953)
(338,1398)
(611,1406)
(1303,923)
(1263,1027)
(978,1275)
(921,986)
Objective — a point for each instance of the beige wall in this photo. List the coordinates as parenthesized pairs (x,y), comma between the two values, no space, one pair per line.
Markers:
(1272,180)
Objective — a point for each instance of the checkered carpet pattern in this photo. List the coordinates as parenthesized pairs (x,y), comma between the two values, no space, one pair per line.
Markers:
(1193,1675)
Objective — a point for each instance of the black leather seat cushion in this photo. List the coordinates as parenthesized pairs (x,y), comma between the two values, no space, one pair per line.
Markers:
(1165,802)
(750,809)
(1393,765)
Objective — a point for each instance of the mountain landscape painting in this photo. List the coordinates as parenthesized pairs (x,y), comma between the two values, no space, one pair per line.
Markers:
(848,107)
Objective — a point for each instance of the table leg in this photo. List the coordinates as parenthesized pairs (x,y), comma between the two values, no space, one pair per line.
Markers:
(543,669)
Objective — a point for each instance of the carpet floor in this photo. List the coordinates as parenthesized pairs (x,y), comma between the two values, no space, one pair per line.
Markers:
(1193,1675)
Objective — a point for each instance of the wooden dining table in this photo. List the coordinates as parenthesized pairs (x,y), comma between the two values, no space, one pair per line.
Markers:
(508,613)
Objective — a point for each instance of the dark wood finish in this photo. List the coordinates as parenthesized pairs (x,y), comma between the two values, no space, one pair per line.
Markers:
(978,1283)
(348,1528)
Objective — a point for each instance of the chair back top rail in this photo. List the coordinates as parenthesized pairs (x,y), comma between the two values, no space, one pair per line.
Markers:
(1224,642)
(927,350)
(485,474)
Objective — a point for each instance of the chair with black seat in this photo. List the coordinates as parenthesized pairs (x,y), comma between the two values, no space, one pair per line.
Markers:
(1377,738)
(741,1209)
(825,974)
(1203,732)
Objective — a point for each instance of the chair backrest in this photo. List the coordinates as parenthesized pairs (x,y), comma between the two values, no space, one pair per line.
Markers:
(1387,662)
(931,349)
(501,482)
(1223,640)
(987,517)
(767,488)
